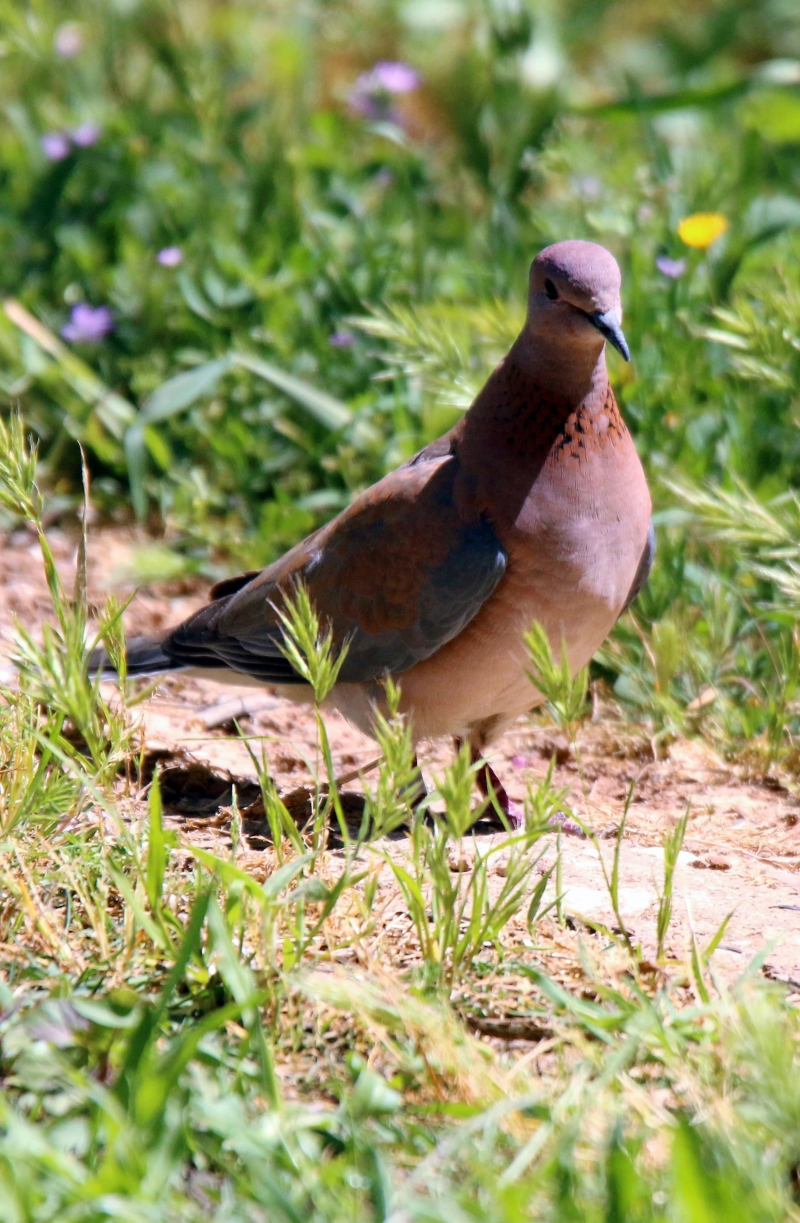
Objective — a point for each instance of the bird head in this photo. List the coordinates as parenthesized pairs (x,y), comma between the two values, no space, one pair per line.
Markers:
(574,294)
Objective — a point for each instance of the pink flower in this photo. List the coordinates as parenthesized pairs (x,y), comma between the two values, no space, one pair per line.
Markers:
(68,40)
(519,762)
(55,146)
(88,324)
(170,256)
(85,135)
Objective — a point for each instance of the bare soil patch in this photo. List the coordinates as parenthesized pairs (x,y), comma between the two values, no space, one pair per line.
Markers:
(742,850)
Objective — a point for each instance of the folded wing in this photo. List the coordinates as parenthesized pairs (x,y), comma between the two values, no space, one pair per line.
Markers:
(396,575)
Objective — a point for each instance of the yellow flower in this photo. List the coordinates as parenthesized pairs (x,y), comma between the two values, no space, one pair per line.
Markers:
(702,228)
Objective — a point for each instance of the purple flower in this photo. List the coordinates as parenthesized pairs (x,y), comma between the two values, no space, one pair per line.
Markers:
(88,324)
(519,762)
(170,256)
(85,135)
(588,186)
(342,339)
(670,267)
(68,40)
(371,95)
(369,105)
(55,146)
(394,77)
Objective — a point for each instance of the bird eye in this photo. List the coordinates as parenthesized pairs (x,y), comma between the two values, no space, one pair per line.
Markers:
(551,290)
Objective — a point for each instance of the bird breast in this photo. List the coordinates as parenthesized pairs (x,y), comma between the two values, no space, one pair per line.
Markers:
(573,553)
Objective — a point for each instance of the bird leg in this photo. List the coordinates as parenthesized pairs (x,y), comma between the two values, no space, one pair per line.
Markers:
(416,789)
(492,788)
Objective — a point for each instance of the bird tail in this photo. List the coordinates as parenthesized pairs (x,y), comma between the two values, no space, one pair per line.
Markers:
(145,656)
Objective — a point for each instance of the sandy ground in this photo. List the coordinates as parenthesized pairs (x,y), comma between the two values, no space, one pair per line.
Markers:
(742,849)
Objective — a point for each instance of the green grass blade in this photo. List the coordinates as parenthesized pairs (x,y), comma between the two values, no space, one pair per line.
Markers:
(325,408)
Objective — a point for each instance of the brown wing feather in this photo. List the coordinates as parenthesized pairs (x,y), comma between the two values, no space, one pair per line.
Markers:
(396,574)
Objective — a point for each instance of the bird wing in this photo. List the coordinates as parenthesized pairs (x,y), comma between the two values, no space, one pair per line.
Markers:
(395,576)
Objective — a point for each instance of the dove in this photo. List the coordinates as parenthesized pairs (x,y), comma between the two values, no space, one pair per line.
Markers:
(535,506)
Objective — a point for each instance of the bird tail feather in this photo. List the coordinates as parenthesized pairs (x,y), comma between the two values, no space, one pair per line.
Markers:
(145,656)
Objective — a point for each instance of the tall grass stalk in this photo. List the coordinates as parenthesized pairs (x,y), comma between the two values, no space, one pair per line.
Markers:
(673,844)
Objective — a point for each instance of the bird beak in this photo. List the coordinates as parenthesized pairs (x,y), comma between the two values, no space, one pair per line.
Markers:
(609,326)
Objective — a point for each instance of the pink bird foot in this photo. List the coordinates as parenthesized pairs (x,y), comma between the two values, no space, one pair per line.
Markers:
(562,822)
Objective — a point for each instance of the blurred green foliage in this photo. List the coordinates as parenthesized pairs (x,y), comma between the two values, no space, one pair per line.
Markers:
(228,131)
